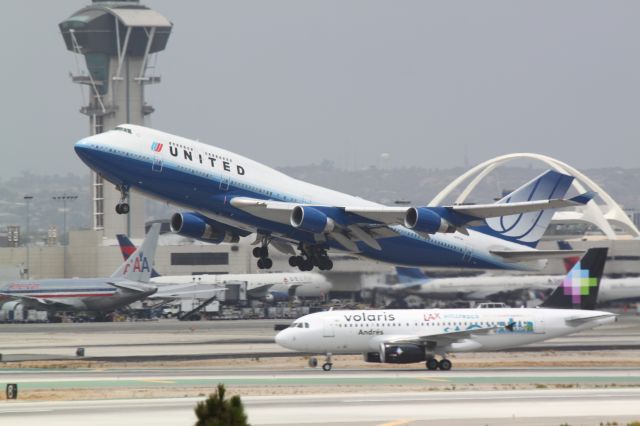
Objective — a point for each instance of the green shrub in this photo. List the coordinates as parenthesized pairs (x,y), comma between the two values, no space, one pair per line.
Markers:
(216,411)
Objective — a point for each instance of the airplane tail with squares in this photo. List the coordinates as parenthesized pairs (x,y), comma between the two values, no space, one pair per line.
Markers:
(139,265)
(528,228)
(579,288)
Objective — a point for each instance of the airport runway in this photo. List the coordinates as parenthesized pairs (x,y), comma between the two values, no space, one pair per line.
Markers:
(538,407)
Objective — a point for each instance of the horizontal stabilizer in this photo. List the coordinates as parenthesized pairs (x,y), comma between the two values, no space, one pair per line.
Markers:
(132,286)
(575,322)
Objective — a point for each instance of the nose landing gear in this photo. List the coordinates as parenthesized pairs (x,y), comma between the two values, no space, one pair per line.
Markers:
(123,206)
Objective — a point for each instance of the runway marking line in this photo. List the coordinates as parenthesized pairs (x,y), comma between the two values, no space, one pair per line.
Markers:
(399,422)
(168,382)
(433,379)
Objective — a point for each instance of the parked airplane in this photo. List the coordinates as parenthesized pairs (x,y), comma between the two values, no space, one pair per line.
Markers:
(126,285)
(411,336)
(412,281)
(272,287)
(233,196)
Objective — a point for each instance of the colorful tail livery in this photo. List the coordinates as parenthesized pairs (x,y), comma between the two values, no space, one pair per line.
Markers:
(528,228)
(127,248)
(139,265)
(579,289)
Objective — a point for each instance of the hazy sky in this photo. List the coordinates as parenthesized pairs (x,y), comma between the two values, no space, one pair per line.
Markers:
(295,82)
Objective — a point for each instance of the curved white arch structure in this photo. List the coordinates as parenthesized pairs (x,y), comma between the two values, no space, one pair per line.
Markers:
(605,216)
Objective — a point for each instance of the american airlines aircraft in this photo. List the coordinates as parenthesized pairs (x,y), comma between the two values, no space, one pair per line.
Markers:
(232,196)
(411,336)
(126,285)
(271,287)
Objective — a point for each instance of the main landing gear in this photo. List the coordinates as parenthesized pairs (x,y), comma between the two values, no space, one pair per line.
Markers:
(123,206)
(311,256)
(433,364)
(262,254)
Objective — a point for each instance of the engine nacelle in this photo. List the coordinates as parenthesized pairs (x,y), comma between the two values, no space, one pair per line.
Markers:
(276,296)
(422,219)
(402,354)
(311,220)
(194,225)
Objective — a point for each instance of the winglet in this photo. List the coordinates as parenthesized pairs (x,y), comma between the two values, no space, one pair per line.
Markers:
(584,198)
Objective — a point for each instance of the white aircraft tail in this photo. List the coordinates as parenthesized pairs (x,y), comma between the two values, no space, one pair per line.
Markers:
(139,265)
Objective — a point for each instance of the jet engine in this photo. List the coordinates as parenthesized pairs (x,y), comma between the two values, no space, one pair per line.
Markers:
(194,225)
(422,219)
(400,354)
(311,220)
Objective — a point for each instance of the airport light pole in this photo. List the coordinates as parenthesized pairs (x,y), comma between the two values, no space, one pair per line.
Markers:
(27,199)
(65,240)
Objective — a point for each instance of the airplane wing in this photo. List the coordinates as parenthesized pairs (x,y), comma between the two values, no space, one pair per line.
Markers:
(447,338)
(42,302)
(530,255)
(348,224)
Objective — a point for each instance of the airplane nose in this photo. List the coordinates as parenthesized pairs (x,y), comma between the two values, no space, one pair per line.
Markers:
(83,149)
(282,339)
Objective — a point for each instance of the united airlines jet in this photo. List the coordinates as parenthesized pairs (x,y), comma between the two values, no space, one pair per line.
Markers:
(420,335)
(232,196)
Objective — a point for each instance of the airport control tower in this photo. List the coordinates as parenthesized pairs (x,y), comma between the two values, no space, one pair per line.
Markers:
(117,39)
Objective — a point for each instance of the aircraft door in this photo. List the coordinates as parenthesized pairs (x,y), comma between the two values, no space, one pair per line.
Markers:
(328,328)
(156,166)
(224,183)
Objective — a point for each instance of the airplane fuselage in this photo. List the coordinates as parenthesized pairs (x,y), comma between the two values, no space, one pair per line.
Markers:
(81,294)
(205,179)
(305,284)
(352,332)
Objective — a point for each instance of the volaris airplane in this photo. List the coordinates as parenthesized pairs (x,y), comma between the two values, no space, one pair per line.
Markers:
(126,285)
(232,196)
(419,335)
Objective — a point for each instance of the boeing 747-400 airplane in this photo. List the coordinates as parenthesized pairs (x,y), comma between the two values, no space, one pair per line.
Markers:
(232,196)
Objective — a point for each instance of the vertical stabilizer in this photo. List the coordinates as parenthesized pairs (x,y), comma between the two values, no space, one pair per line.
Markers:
(139,265)
(127,248)
(579,288)
(528,228)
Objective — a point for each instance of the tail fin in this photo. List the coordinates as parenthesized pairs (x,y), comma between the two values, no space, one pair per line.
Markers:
(409,275)
(127,248)
(138,266)
(528,228)
(568,261)
(579,289)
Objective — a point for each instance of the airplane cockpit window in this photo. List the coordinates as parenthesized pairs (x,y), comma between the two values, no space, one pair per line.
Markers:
(122,129)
